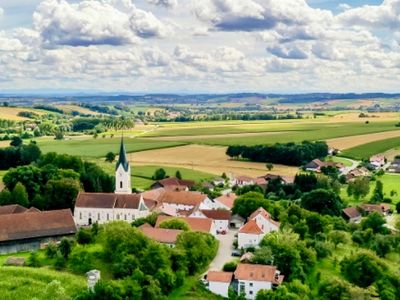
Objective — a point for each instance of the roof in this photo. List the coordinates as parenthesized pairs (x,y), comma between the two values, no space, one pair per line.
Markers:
(108,200)
(217,214)
(377,157)
(122,160)
(227,199)
(195,224)
(319,164)
(36,224)
(174,183)
(251,227)
(12,209)
(244,178)
(219,276)
(257,273)
(260,211)
(351,212)
(161,235)
(181,197)
(383,207)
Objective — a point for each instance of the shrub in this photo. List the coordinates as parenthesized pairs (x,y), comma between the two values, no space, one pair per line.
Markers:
(230,266)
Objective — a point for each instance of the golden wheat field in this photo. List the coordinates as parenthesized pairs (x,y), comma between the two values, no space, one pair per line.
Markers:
(209,159)
(11,113)
(357,140)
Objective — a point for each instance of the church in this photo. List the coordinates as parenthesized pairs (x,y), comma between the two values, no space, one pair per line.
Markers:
(121,205)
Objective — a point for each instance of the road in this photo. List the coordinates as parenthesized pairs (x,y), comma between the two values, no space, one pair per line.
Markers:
(354,164)
(224,250)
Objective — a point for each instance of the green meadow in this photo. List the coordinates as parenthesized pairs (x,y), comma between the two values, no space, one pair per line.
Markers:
(369,149)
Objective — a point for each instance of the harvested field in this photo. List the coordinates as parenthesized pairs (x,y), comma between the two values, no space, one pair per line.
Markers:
(209,159)
(343,143)
(200,137)
(354,117)
(11,113)
(70,108)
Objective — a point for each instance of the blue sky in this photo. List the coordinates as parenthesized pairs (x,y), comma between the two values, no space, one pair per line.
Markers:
(200,46)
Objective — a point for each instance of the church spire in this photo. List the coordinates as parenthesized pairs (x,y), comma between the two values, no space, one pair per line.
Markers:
(122,160)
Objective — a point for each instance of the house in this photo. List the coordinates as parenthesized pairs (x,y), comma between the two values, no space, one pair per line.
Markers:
(219,282)
(164,236)
(316,165)
(12,209)
(251,278)
(358,172)
(208,185)
(394,166)
(284,179)
(352,214)
(225,201)
(243,180)
(174,184)
(105,207)
(250,235)
(32,230)
(195,224)
(260,223)
(220,217)
(383,208)
(236,221)
(378,160)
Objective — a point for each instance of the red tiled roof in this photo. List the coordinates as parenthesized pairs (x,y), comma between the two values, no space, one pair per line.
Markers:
(227,199)
(195,224)
(217,214)
(12,209)
(108,200)
(260,211)
(219,276)
(175,182)
(351,212)
(254,272)
(161,235)
(34,225)
(383,207)
(250,227)
(182,197)
(244,178)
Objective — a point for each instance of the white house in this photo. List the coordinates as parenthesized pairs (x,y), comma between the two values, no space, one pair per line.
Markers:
(252,278)
(377,160)
(225,201)
(243,180)
(219,282)
(220,217)
(260,223)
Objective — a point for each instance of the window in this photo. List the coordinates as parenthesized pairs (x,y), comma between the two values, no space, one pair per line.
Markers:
(242,287)
(251,284)
(108,217)
(98,216)
(125,217)
(117,216)
(80,216)
(133,217)
(120,184)
(251,292)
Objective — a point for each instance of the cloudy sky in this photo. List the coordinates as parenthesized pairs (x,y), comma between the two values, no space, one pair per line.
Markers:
(200,45)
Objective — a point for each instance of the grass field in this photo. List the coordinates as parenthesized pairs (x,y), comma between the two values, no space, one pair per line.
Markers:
(369,149)
(342,160)
(90,147)
(11,113)
(208,159)
(21,283)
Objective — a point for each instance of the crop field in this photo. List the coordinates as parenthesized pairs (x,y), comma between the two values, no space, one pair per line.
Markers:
(11,113)
(68,108)
(21,283)
(90,147)
(208,159)
(369,149)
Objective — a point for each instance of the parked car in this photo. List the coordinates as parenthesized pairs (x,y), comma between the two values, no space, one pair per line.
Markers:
(236,253)
(221,232)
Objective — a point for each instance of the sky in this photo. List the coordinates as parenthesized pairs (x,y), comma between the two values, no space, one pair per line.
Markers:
(192,46)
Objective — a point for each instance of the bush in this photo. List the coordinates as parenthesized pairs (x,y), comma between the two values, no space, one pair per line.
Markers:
(51,250)
(84,236)
(33,260)
(80,261)
(230,266)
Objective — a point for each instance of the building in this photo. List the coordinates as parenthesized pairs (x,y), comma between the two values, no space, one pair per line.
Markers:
(123,172)
(220,217)
(252,278)
(383,208)
(394,166)
(219,282)
(358,172)
(316,165)
(105,207)
(164,236)
(352,214)
(243,181)
(259,224)
(378,160)
(195,224)
(174,184)
(12,209)
(236,221)
(225,201)
(32,230)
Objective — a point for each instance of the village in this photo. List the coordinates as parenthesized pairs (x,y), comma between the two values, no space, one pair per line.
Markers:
(27,229)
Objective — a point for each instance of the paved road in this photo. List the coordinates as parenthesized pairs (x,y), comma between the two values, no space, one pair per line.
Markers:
(224,250)
(354,164)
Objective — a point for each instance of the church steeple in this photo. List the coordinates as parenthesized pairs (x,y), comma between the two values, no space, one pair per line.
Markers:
(123,172)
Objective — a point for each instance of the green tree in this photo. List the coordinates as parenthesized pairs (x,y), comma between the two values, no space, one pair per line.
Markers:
(269,166)
(377,196)
(110,157)
(248,203)
(159,174)
(33,260)
(338,237)
(61,193)
(5,197)
(175,223)
(30,153)
(363,268)
(59,135)
(359,188)
(178,174)
(81,260)
(322,201)
(65,247)
(335,289)
(16,141)
(84,236)
(54,290)
(376,222)
(398,207)
(19,195)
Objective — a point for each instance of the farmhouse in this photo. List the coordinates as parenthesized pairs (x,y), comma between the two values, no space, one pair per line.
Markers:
(352,214)
(219,282)
(358,172)
(195,224)
(260,223)
(174,184)
(29,231)
(220,217)
(165,236)
(378,160)
(316,165)
(383,208)
(252,278)
(225,201)
(243,180)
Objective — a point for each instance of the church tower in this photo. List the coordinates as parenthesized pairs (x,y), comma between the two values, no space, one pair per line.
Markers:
(123,172)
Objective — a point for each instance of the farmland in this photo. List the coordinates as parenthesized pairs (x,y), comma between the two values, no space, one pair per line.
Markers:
(368,149)
(11,113)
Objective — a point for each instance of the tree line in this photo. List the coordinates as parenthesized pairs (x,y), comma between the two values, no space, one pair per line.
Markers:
(291,154)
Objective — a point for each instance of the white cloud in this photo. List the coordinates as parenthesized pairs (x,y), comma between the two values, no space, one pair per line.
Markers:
(165,3)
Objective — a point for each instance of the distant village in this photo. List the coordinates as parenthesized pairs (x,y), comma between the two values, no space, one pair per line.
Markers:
(26,229)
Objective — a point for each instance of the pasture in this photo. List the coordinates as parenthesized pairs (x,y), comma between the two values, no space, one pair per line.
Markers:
(20,283)
(368,149)
(208,159)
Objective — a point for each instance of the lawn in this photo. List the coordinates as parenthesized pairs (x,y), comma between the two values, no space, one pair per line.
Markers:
(342,160)
(90,147)
(20,283)
(369,149)
(192,289)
